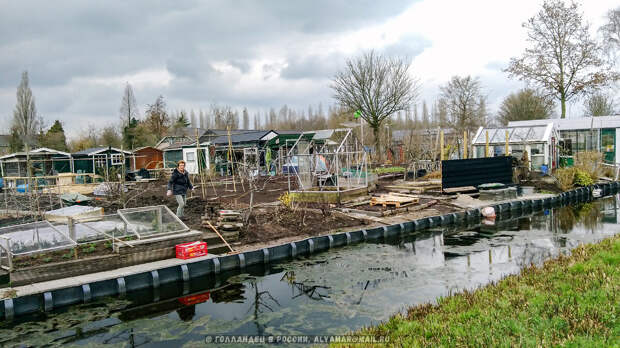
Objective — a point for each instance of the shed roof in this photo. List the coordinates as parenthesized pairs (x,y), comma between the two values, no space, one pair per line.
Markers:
(251,136)
(42,151)
(518,134)
(145,148)
(97,150)
(574,123)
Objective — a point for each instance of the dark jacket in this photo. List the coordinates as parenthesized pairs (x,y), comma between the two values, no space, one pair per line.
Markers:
(179,183)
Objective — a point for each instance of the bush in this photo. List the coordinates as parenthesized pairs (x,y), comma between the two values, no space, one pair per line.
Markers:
(566,178)
(583,178)
(590,163)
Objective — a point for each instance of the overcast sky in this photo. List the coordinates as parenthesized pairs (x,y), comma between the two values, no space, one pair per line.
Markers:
(258,54)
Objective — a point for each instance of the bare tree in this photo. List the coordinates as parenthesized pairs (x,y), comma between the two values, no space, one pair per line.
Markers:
(563,59)
(377,86)
(128,109)
(526,104)
(599,104)
(464,103)
(246,119)
(611,31)
(157,117)
(201,119)
(25,119)
(192,118)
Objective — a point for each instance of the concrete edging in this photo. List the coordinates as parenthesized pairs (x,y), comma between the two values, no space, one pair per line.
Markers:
(49,300)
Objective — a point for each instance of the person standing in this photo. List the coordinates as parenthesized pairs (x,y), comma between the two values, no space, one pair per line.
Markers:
(178,185)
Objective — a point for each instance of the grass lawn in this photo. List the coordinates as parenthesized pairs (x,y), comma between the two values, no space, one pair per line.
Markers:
(388,170)
(572,301)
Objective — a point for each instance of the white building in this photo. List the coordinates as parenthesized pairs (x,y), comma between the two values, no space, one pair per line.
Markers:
(540,142)
(584,134)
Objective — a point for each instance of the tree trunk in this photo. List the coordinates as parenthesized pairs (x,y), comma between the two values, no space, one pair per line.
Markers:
(563,101)
(375,132)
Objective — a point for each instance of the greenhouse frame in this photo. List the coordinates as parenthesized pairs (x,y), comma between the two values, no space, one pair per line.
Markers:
(540,142)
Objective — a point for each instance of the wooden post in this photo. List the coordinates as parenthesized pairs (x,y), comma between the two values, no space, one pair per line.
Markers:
(203,189)
(465,145)
(486,146)
(230,159)
(506,150)
(441,140)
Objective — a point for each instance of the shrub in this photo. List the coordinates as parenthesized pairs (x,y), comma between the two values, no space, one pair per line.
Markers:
(566,178)
(583,178)
(286,200)
(590,163)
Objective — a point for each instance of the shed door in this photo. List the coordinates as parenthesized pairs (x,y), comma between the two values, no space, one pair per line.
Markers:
(608,145)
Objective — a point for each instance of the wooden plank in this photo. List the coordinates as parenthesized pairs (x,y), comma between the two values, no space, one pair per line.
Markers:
(460,189)
(389,199)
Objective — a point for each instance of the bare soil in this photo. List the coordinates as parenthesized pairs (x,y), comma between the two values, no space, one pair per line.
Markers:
(269,221)
(279,222)
(83,251)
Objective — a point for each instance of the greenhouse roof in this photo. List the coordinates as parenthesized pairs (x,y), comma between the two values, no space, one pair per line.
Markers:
(573,123)
(520,134)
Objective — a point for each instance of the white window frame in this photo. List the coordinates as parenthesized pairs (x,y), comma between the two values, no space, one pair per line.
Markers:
(116,159)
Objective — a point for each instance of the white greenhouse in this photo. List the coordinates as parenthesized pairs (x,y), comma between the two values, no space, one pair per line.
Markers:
(540,142)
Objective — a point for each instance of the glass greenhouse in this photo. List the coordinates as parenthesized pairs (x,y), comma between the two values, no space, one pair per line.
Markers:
(539,141)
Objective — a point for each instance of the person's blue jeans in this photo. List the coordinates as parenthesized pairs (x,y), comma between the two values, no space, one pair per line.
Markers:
(181,199)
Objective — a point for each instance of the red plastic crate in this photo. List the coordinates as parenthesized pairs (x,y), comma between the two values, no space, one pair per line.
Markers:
(195,299)
(190,250)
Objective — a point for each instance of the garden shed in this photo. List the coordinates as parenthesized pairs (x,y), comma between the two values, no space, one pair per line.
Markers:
(148,157)
(98,160)
(540,142)
(45,163)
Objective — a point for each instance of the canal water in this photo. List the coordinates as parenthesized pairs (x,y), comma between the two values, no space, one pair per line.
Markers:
(334,292)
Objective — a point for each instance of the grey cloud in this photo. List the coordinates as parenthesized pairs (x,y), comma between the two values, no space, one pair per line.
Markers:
(312,66)
(61,41)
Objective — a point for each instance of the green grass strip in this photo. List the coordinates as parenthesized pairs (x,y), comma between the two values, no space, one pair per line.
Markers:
(388,170)
(573,301)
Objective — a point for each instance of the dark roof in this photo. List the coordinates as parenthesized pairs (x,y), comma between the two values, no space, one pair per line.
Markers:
(288,132)
(5,140)
(185,132)
(89,151)
(178,146)
(240,138)
(146,147)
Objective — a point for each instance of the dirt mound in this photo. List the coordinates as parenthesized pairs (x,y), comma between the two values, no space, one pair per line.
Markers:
(279,222)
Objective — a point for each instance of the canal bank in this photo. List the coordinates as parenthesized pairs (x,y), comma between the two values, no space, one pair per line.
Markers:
(51,296)
(570,301)
(334,292)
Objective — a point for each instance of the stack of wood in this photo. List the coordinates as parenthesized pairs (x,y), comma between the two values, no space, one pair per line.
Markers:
(230,223)
(416,187)
(227,222)
(395,199)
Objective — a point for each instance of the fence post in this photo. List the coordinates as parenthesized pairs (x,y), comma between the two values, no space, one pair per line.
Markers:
(486,146)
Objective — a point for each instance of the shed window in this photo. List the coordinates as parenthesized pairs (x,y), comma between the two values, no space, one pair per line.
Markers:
(116,159)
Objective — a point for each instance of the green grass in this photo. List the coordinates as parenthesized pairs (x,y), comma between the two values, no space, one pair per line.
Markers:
(572,301)
(387,170)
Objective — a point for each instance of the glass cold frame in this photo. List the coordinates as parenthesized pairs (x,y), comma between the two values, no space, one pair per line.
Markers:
(34,237)
(148,221)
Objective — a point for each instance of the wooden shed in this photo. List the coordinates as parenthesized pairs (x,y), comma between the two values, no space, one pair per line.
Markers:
(148,157)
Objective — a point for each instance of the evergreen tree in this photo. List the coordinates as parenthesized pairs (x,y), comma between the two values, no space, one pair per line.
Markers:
(55,138)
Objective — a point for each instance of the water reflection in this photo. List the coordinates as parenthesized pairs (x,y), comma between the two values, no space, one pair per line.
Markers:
(327,293)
